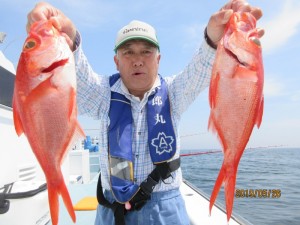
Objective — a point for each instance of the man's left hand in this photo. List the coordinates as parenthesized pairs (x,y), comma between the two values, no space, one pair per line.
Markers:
(218,21)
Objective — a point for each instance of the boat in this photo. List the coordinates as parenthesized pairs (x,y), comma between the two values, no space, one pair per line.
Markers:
(22,183)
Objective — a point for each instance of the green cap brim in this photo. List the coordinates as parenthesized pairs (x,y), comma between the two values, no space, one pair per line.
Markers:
(136,37)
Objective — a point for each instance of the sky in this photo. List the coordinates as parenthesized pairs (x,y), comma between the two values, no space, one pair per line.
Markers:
(179,26)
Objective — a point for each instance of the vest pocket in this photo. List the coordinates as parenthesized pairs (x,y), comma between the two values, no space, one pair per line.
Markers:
(121,168)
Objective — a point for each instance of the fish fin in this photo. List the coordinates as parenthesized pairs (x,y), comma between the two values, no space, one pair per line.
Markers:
(260,113)
(229,192)
(213,90)
(77,134)
(217,187)
(211,124)
(17,121)
(80,130)
(212,101)
(212,127)
(73,113)
(72,107)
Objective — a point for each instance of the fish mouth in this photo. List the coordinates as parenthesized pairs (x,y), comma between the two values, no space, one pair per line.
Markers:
(55,65)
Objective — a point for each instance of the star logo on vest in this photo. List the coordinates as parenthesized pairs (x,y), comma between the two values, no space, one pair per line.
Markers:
(162,143)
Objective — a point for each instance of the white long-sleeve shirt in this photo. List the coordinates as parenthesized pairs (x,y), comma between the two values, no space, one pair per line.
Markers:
(93,99)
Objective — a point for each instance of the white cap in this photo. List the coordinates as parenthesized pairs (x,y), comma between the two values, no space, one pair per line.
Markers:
(136,30)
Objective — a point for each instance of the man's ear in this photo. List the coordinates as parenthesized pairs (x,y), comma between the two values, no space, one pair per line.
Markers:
(158,58)
(116,62)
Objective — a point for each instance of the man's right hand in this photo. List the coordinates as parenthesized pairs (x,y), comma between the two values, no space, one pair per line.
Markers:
(45,11)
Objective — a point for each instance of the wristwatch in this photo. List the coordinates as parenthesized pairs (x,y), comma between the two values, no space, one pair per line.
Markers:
(208,40)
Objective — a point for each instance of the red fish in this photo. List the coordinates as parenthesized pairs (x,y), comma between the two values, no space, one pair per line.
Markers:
(235,97)
(44,106)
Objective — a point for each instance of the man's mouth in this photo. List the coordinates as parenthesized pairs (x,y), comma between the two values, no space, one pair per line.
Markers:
(138,73)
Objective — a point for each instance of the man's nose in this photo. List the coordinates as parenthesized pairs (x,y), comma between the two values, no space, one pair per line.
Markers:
(137,61)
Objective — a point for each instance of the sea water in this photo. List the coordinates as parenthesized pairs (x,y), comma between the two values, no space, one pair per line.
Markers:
(267,187)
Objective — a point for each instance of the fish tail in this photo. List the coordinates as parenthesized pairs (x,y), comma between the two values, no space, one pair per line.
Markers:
(217,187)
(53,203)
(229,193)
(67,200)
(54,189)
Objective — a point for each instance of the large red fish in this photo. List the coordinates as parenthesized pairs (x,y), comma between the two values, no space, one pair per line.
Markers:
(44,106)
(235,97)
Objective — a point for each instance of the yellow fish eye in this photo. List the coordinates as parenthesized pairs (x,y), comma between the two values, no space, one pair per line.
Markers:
(30,44)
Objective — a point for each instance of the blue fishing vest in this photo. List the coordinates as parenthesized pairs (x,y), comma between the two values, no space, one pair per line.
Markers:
(161,138)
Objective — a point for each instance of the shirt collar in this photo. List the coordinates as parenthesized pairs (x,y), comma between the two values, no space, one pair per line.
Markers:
(125,90)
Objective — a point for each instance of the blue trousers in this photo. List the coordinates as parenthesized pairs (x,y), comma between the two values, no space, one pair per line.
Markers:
(164,208)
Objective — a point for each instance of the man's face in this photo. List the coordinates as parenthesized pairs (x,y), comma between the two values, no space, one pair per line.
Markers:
(137,61)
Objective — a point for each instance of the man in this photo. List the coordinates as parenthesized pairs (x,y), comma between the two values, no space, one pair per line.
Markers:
(139,113)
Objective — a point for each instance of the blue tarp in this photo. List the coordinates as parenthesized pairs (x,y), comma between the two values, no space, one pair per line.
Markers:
(88,145)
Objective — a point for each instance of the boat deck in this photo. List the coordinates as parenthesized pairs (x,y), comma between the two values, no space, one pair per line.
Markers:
(196,202)
(197,205)
(77,192)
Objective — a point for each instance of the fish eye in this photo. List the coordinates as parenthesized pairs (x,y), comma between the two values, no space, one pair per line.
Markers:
(30,44)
